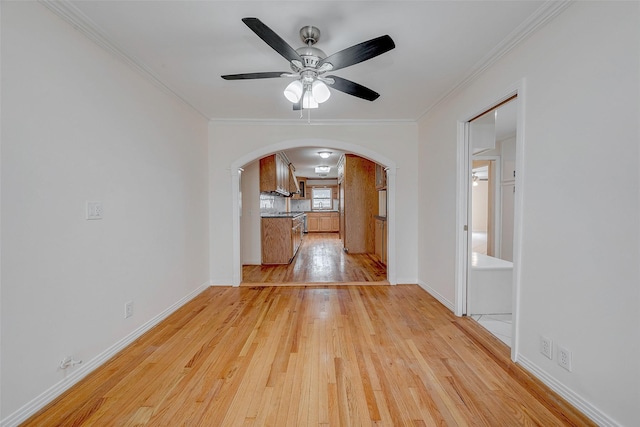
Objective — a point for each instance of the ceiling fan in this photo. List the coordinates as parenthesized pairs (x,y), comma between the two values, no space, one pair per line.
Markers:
(309,65)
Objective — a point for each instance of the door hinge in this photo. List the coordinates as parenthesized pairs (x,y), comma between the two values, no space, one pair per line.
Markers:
(466,228)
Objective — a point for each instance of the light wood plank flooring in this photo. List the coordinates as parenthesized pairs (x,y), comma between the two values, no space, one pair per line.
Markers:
(311,356)
(320,259)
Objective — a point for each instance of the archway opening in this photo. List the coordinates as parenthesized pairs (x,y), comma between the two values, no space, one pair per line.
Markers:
(247,219)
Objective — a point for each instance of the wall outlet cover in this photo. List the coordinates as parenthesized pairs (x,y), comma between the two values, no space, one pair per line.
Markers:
(546,347)
(564,358)
(94,210)
(128,309)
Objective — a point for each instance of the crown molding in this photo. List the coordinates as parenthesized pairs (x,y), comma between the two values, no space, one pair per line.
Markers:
(73,16)
(543,15)
(314,122)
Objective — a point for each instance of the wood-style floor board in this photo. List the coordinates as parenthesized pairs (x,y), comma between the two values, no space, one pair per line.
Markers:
(320,355)
(320,259)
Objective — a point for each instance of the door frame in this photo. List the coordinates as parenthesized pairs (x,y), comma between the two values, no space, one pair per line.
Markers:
(463,195)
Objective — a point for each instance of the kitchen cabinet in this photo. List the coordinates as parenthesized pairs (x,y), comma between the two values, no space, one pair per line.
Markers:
(313,223)
(281,238)
(275,175)
(293,186)
(322,222)
(358,204)
(381,177)
(381,239)
(335,222)
(302,192)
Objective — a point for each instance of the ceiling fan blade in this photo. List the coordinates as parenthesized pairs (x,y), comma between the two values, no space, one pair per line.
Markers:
(245,76)
(353,88)
(358,53)
(272,39)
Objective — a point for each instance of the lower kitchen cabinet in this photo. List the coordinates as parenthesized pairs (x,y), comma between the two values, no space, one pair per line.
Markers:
(323,222)
(281,239)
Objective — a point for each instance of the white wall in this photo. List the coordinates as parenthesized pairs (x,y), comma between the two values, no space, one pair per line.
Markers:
(580,239)
(231,141)
(79,125)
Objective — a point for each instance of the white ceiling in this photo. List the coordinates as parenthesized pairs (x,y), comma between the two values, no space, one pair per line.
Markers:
(188,45)
(185,46)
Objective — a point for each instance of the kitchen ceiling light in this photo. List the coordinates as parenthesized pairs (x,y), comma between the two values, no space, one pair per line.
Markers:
(323,169)
(324,154)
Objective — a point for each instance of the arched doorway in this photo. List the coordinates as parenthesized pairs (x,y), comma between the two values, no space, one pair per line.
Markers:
(332,144)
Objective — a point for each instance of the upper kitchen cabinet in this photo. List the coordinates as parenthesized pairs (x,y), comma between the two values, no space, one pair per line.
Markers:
(277,175)
(381,177)
(358,204)
(302,192)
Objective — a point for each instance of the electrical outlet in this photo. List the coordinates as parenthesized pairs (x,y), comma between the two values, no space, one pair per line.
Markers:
(94,210)
(128,309)
(546,347)
(564,358)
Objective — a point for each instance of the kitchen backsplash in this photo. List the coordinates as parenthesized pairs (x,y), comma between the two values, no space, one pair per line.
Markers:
(272,204)
(300,205)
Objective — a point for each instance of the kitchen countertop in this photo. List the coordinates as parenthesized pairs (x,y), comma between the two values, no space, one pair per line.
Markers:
(281,215)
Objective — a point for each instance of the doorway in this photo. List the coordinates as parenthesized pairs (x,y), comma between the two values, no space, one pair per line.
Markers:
(239,210)
(489,285)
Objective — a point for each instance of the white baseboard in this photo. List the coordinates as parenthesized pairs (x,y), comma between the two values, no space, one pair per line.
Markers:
(30,408)
(437,295)
(599,417)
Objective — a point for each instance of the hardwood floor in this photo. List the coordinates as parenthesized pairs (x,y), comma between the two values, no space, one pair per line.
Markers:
(311,356)
(320,259)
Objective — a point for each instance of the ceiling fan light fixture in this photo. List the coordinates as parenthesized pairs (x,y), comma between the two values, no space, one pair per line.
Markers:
(308,101)
(320,91)
(293,92)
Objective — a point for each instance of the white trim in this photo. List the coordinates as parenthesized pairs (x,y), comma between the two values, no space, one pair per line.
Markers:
(437,295)
(579,402)
(313,142)
(462,205)
(314,122)
(30,408)
(462,221)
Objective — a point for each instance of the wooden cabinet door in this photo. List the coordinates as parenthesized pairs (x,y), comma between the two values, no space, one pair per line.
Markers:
(313,223)
(335,222)
(325,223)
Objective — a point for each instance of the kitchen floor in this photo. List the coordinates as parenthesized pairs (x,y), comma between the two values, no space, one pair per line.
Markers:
(320,259)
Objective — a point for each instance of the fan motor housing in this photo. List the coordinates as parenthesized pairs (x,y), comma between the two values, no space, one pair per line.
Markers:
(311,55)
